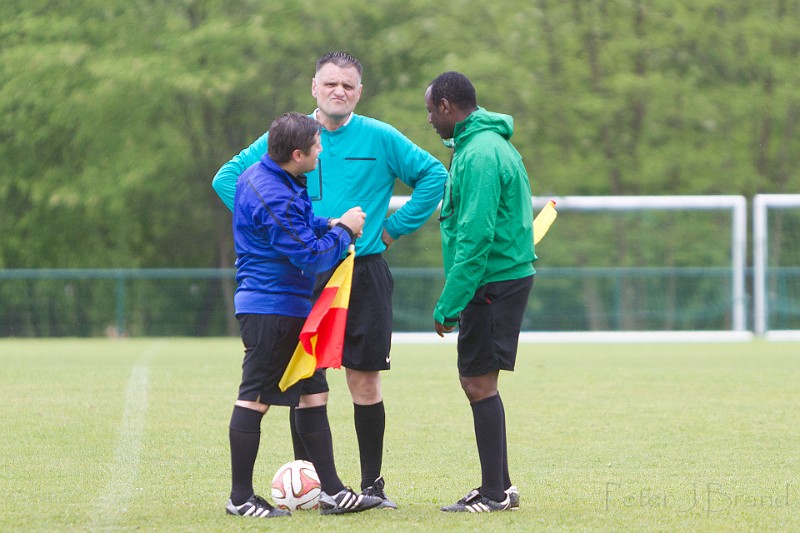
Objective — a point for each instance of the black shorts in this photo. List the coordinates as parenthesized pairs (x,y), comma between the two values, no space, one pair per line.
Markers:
(489,327)
(368,339)
(317,383)
(269,342)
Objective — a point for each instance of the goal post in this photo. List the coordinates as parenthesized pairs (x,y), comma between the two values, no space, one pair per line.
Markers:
(737,205)
(775,266)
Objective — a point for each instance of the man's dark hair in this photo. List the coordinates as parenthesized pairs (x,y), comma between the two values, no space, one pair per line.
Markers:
(290,132)
(456,88)
(340,59)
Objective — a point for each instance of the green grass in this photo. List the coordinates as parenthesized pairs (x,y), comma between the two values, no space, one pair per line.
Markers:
(131,434)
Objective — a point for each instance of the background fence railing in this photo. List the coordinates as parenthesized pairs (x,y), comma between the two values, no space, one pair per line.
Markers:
(196,302)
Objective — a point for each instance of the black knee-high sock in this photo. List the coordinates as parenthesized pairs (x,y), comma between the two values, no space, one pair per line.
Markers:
(315,432)
(300,452)
(245,437)
(506,475)
(370,421)
(487,416)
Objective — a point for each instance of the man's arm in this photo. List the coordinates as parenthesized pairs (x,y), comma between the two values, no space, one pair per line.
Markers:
(280,216)
(321,225)
(224,182)
(425,174)
(475,222)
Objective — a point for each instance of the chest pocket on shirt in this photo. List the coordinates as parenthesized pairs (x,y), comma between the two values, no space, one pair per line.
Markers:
(360,175)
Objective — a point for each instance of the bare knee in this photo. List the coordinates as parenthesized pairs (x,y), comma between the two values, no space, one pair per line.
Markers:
(313,400)
(479,387)
(255,406)
(365,387)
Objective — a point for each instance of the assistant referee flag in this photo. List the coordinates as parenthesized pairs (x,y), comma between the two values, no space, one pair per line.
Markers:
(322,337)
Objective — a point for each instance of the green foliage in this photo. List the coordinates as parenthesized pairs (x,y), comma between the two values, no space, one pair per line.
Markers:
(116,115)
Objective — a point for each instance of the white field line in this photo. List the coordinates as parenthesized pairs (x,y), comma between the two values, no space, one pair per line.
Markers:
(114,498)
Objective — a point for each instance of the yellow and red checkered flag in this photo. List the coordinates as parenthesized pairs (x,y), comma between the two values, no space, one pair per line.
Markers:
(322,337)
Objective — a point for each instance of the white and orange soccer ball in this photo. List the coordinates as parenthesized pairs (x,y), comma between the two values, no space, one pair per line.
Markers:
(296,486)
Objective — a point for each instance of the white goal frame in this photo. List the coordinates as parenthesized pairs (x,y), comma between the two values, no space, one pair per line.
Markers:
(762,203)
(736,204)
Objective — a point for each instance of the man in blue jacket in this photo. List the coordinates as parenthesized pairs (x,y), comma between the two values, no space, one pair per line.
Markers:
(280,246)
(361,160)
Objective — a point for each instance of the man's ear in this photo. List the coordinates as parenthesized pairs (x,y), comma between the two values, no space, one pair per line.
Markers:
(444,104)
(297,155)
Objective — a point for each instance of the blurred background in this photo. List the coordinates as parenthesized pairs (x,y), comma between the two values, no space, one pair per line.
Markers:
(117,114)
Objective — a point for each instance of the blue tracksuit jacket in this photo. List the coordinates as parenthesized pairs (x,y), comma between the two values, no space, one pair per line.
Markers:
(280,244)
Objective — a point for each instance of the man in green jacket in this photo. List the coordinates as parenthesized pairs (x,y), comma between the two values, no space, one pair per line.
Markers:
(487,247)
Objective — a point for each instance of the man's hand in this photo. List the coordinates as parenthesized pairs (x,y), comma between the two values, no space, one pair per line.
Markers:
(387,239)
(354,219)
(441,329)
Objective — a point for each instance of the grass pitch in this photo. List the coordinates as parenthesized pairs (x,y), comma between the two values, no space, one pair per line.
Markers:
(131,434)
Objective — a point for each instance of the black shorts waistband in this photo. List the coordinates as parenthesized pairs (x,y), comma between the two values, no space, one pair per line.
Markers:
(367,258)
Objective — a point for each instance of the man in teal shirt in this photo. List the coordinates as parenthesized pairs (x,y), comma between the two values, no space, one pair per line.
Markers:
(359,164)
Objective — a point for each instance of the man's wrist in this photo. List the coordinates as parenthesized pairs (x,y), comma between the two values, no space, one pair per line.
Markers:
(445,321)
(348,230)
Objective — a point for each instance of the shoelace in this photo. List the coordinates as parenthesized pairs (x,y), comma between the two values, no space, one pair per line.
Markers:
(260,505)
(375,491)
(473,494)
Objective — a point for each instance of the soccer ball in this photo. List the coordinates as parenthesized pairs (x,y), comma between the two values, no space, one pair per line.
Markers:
(296,486)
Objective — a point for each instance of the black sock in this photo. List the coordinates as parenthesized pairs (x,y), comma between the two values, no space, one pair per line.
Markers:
(245,437)
(487,416)
(370,421)
(315,432)
(300,452)
(506,475)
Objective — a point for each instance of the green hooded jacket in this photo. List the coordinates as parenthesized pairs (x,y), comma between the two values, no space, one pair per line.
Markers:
(487,216)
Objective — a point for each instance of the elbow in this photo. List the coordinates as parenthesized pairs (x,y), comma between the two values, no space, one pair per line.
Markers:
(313,267)
(216,183)
(222,188)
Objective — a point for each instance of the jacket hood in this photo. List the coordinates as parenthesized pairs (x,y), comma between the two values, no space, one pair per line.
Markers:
(483,120)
